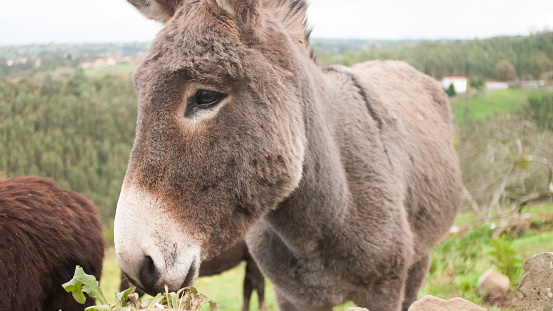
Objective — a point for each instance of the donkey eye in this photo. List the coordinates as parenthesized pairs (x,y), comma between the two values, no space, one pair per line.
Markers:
(206,99)
(203,99)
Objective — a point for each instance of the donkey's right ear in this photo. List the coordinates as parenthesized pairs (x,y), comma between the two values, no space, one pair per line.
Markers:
(159,10)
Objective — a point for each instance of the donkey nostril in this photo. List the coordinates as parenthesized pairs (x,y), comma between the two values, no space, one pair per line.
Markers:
(190,276)
(149,275)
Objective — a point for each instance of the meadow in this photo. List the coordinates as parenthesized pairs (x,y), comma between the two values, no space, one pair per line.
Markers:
(482,104)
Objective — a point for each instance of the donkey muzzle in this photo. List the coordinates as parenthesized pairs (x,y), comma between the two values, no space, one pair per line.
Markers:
(152,250)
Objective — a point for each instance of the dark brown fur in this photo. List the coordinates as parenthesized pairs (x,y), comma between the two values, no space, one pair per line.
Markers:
(45,232)
(343,179)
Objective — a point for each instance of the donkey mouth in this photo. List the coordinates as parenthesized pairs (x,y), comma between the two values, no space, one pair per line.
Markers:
(160,288)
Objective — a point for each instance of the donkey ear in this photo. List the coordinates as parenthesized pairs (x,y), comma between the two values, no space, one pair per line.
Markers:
(245,12)
(159,10)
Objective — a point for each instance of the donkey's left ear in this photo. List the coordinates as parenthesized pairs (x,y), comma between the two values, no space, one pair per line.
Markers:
(159,10)
(245,12)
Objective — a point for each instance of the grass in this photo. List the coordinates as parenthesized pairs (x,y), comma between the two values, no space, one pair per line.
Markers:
(111,275)
(120,70)
(488,103)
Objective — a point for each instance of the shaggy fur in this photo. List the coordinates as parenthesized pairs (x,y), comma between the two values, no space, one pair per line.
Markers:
(227,260)
(344,179)
(45,232)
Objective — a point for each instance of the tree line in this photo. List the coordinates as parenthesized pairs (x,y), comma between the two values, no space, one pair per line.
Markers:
(529,56)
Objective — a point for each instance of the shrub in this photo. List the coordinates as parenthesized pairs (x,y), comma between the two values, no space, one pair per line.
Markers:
(451,91)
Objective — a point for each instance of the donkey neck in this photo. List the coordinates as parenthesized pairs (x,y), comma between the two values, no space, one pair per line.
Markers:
(316,211)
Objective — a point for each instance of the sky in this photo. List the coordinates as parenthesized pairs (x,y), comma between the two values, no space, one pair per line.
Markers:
(94,21)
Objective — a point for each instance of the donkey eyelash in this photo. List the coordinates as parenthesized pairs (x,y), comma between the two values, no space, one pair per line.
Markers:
(203,99)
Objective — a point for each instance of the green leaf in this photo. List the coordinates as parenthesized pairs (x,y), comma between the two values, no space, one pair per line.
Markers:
(173,300)
(99,308)
(122,297)
(82,282)
(151,304)
(75,288)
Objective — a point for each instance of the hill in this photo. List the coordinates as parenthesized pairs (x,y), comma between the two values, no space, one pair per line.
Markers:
(531,56)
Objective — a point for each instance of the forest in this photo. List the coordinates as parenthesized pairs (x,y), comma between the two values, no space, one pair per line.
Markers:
(530,56)
(78,131)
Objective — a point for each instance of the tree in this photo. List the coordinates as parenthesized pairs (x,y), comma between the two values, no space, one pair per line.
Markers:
(451,91)
(505,162)
(505,71)
(541,110)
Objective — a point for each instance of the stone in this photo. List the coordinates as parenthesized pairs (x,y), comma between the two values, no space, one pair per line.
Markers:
(431,303)
(535,290)
(493,283)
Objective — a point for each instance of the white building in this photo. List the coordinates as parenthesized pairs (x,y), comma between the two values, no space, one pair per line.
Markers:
(496,85)
(460,83)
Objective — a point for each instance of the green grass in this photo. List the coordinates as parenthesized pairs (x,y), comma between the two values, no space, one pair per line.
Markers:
(539,209)
(488,103)
(533,243)
(226,289)
(120,70)
(465,219)
(111,275)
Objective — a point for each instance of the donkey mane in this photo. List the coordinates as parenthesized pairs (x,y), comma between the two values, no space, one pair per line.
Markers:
(293,16)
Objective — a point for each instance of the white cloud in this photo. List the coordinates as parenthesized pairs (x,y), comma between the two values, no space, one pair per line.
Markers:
(39,21)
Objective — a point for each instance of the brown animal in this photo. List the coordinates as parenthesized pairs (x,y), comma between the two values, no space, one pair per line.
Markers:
(343,179)
(227,260)
(45,232)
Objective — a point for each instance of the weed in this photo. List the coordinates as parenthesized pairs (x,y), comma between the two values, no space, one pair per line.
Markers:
(188,299)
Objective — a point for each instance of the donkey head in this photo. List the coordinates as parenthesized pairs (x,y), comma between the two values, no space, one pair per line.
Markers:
(220,137)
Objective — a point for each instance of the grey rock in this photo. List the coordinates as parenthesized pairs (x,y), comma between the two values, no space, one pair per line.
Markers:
(493,283)
(431,303)
(535,290)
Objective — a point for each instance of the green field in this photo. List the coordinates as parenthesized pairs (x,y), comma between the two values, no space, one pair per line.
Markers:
(489,103)
(119,70)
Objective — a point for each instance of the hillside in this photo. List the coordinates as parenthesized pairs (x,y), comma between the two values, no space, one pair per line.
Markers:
(531,55)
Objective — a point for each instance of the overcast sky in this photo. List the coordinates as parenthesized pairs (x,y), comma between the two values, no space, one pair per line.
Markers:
(83,21)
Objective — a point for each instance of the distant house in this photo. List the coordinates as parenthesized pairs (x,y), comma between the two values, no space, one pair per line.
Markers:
(86,65)
(99,63)
(111,61)
(496,85)
(460,83)
(535,84)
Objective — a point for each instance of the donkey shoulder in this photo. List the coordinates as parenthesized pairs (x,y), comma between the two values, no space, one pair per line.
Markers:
(402,89)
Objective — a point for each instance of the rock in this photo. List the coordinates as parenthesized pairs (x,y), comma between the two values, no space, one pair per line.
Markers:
(431,303)
(493,283)
(356,309)
(535,290)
